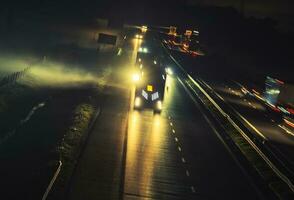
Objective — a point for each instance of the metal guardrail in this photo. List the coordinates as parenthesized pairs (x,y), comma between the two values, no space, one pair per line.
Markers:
(52,181)
(13,77)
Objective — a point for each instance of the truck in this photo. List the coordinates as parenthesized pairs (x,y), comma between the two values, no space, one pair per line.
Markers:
(150,88)
(279,95)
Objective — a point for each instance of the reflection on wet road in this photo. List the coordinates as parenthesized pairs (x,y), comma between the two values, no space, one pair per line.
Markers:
(154,168)
(173,155)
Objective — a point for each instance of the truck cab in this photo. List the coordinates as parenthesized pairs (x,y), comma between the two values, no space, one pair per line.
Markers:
(149,92)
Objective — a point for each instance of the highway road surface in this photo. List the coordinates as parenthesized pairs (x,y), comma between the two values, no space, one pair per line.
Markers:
(176,154)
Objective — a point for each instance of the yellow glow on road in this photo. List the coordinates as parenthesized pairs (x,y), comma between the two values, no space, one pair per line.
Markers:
(147,137)
(144,29)
(145,140)
(136,77)
(138,102)
(136,45)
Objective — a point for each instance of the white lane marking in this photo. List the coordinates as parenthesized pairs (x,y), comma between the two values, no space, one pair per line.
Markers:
(272,120)
(176,139)
(119,51)
(173,131)
(187,173)
(171,124)
(193,189)
(183,160)
(179,148)
(169,117)
(28,117)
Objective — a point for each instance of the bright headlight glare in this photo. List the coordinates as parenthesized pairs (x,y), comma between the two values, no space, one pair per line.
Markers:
(144,29)
(169,71)
(136,77)
(137,101)
(143,49)
(159,105)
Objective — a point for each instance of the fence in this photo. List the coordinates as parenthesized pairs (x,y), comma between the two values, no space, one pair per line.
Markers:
(11,78)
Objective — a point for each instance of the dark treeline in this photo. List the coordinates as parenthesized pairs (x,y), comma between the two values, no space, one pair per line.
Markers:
(223,30)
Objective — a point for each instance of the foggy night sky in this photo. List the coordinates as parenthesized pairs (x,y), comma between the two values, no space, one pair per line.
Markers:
(255,7)
(280,10)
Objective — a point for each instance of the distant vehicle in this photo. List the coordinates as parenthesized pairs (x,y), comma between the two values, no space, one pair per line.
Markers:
(145,53)
(139,36)
(144,29)
(190,43)
(188,33)
(172,30)
(150,87)
(279,95)
(149,59)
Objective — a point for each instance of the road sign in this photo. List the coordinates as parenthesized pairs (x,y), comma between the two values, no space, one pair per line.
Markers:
(106,39)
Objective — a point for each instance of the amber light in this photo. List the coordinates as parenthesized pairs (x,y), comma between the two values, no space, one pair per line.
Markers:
(149,88)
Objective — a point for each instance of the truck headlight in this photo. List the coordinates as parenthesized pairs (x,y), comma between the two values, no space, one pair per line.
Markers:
(159,105)
(138,36)
(136,77)
(169,71)
(138,102)
(144,29)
